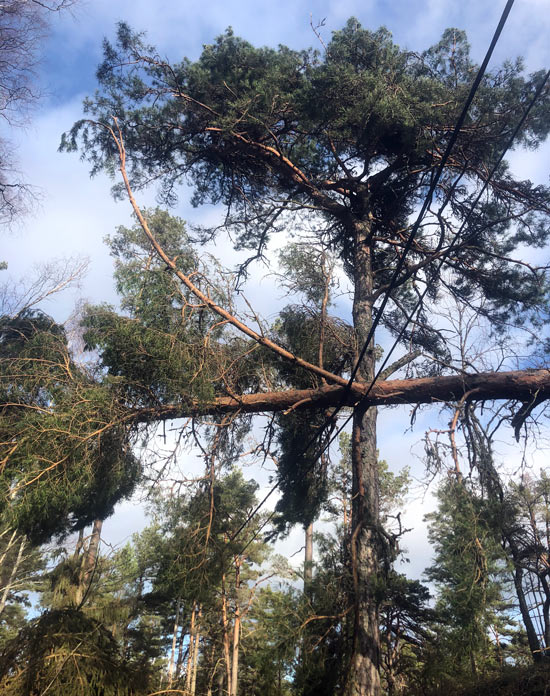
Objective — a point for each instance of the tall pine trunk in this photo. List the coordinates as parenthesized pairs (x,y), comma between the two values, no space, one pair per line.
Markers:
(190,650)
(363,678)
(225,626)
(172,663)
(13,574)
(196,651)
(89,562)
(236,631)
(308,559)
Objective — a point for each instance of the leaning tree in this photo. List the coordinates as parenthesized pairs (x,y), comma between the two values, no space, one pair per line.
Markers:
(350,141)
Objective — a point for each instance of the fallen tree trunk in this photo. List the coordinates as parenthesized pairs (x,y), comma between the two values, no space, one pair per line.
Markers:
(527,386)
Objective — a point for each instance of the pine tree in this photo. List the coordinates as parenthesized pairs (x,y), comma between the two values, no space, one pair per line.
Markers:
(349,139)
(470,573)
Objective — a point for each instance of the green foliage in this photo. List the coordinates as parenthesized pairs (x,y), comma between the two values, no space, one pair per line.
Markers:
(299,328)
(469,572)
(309,271)
(147,291)
(21,573)
(345,143)
(302,474)
(166,347)
(66,653)
(363,125)
(327,622)
(319,338)
(160,351)
(269,642)
(67,460)
(405,618)
(393,488)
(196,547)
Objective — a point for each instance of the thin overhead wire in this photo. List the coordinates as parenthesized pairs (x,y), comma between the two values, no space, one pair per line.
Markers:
(425,206)
(473,90)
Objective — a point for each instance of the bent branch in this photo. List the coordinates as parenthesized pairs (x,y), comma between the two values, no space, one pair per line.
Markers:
(205,299)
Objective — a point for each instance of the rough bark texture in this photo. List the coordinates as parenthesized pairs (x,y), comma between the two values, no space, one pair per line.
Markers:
(9,584)
(308,558)
(190,653)
(225,626)
(89,562)
(196,653)
(172,663)
(522,385)
(364,676)
(364,679)
(236,632)
(93,547)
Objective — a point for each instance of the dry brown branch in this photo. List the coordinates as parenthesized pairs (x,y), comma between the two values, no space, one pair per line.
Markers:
(170,263)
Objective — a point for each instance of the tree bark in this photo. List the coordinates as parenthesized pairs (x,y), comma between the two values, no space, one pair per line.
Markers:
(13,574)
(190,651)
(532,638)
(236,632)
(364,674)
(225,625)
(93,547)
(89,562)
(368,547)
(172,663)
(10,543)
(179,662)
(308,559)
(521,385)
(196,651)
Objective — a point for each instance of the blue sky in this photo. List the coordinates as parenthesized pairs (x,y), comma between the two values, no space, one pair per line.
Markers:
(75,213)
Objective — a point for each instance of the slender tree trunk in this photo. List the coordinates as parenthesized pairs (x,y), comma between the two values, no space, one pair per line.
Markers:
(308,559)
(532,638)
(473,665)
(213,668)
(93,547)
(172,662)
(391,653)
(179,662)
(236,632)
(220,683)
(225,625)
(190,652)
(13,573)
(89,562)
(364,675)
(79,544)
(7,549)
(196,652)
